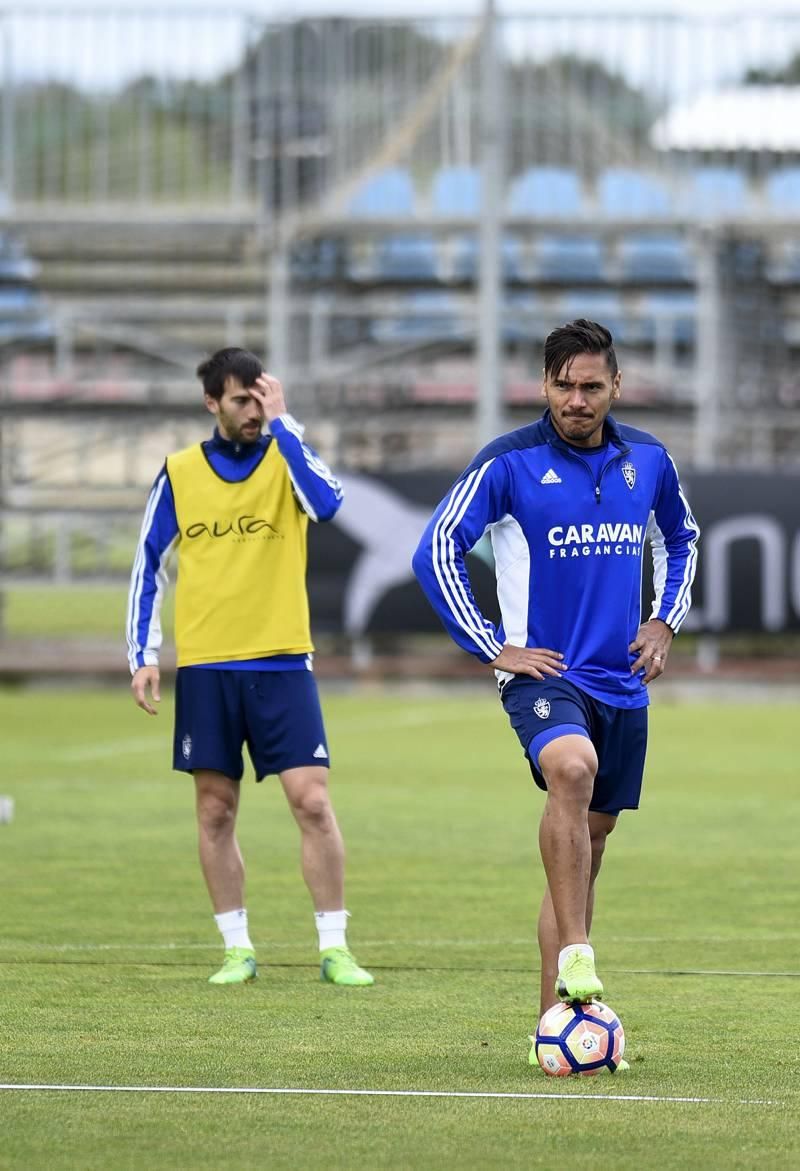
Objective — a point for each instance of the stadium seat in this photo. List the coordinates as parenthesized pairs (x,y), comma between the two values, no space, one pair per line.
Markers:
(465,258)
(623,193)
(783,191)
(522,317)
(662,258)
(597,305)
(424,318)
(715,191)
(783,262)
(15,264)
(406,258)
(456,191)
(568,258)
(545,192)
(403,258)
(318,260)
(677,310)
(386,193)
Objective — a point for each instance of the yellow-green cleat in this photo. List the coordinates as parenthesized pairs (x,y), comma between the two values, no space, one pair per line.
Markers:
(238,967)
(578,980)
(338,966)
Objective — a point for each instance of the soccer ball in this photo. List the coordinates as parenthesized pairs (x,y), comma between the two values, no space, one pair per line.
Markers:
(579,1038)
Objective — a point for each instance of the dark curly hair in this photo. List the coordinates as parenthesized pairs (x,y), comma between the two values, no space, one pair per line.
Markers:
(241,364)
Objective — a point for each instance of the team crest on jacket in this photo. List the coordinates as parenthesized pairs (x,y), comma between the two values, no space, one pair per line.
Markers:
(629,472)
(541,707)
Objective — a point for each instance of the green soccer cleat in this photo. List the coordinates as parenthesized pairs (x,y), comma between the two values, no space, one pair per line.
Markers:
(338,966)
(238,967)
(622,1066)
(578,980)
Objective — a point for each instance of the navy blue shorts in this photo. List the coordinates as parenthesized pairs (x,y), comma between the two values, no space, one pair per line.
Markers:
(540,711)
(275,713)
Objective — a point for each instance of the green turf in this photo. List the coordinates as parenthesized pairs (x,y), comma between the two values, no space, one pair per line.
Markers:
(106,942)
(80,611)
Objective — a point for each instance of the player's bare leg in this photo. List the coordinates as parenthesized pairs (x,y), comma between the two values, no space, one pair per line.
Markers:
(321,845)
(322,853)
(600,826)
(217,802)
(569,765)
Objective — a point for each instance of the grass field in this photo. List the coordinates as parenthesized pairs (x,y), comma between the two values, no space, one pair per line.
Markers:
(106,942)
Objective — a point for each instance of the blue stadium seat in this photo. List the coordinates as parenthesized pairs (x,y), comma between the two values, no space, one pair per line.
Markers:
(316,260)
(623,193)
(406,258)
(545,192)
(15,264)
(568,258)
(522,317)
(678,310)
(783,191)
(783,263)
(466,258)
(425,317)
(386,193)
(16,299)
(456,191)
(597,305)
(399,258)
(654,258)
(715,191)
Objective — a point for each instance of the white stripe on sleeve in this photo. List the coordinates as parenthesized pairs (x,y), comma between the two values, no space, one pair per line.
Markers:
(447,575)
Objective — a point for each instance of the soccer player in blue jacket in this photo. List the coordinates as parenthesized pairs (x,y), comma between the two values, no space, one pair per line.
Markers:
(233,512)
(568,503)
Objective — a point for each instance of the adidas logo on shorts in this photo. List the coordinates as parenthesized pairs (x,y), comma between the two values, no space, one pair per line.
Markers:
(320,752)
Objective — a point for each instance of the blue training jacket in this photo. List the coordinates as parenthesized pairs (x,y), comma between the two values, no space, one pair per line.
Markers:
(568,540)
(318,493)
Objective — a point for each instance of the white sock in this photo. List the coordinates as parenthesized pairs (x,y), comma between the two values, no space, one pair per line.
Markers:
(233,925)
(331,928)
(584,948)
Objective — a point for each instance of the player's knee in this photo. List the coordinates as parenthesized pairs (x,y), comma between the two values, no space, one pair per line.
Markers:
(311,804)
(216,814)
(571,778)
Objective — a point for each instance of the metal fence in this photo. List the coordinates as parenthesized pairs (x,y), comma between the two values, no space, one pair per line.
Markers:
(147,107)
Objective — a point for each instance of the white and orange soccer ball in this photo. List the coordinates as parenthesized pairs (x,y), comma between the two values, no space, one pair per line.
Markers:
(579,1038)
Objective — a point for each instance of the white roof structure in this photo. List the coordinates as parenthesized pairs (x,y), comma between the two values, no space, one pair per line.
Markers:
(750,118)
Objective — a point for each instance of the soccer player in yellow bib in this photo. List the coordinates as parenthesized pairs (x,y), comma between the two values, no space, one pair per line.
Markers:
(234,511)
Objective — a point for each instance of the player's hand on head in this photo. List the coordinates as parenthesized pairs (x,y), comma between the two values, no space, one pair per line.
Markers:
(536,661)
(146,678)
(651,646)
(269,393)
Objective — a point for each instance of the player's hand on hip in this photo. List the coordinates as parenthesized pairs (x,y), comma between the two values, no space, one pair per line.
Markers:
(144,678)
(269,393)
(651,645)
(530,660)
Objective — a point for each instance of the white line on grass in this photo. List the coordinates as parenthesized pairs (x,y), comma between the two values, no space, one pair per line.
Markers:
(380,1093)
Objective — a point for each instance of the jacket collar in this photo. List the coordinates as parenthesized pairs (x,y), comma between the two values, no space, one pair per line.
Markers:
(232,450)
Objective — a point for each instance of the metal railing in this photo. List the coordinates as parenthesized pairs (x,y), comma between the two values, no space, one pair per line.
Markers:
(151,107)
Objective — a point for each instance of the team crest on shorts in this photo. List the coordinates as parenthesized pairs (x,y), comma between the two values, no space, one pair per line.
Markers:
(541,707)
(186,746)
(629,472)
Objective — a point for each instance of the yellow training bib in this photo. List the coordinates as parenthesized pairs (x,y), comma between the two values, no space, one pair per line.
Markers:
(241,589)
